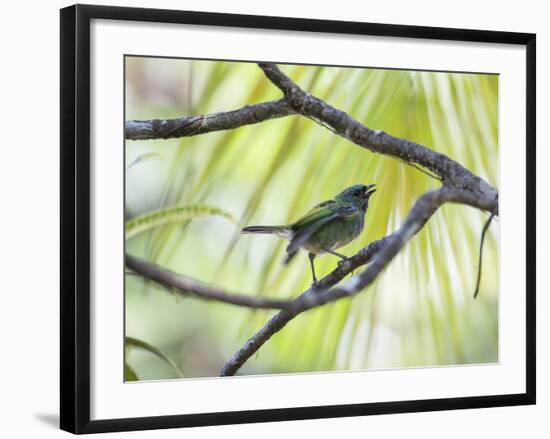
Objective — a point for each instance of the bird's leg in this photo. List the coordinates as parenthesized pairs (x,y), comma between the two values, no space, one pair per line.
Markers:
(311,258)
(343,258)
(340,255)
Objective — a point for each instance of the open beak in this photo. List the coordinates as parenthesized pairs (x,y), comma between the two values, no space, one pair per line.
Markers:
(370,189)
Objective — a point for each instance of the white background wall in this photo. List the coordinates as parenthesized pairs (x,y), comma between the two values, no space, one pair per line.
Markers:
(29,200)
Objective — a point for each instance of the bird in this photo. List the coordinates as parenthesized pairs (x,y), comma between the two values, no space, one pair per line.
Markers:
(326,227)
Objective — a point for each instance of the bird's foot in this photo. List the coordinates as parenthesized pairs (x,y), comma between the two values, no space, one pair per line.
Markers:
(342,265)
(342,262)
(314,284)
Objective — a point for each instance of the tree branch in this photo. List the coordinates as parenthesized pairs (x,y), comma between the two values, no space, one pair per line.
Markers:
(186,285)
(194,125)
(451,172)
(279,320)
(378,253)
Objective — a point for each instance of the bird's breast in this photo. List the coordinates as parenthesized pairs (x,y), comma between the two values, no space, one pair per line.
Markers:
(335,234)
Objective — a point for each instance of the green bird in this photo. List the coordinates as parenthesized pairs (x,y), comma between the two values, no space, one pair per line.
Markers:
(326,227)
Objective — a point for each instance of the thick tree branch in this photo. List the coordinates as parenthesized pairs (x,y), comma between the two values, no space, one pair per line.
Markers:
(451,172)
(189,286)
(194,125)
(378,253)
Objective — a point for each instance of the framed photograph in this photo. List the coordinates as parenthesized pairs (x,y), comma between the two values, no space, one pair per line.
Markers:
(268,218)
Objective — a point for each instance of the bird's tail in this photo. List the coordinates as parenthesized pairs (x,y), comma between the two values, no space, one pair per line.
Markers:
(289,255)
(282,231)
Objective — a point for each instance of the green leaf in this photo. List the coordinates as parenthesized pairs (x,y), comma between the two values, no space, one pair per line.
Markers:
(134,342)
(150,220)
(129,374)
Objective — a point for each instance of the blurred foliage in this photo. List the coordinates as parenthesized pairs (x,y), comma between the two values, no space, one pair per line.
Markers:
(420,312)
(129,374)
(168,215)
(130,342)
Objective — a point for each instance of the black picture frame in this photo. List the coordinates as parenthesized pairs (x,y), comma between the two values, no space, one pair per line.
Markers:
(75,217)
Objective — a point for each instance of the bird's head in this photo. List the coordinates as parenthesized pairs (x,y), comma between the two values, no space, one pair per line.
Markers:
(358,192)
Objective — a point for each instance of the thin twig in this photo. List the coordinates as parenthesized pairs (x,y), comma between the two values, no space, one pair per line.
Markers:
(483,232)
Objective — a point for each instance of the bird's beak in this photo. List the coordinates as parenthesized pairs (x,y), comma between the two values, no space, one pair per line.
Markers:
(370,189)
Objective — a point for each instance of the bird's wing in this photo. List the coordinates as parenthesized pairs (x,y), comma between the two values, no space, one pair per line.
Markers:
(315,218)
(316,213)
